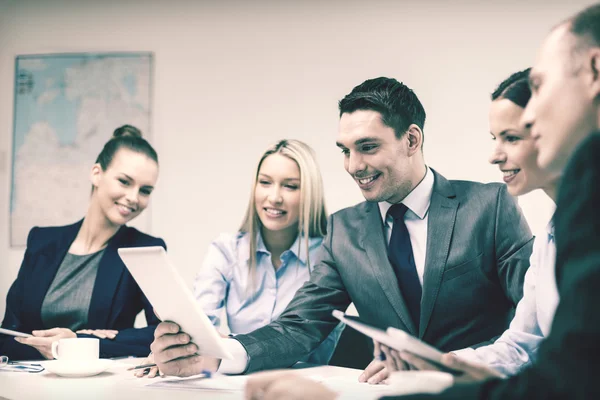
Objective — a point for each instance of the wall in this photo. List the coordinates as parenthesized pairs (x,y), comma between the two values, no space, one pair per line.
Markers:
(232,77)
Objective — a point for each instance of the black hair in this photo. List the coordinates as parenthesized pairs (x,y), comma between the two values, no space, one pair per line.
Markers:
(398,105)
(587,23)
(515,88)
(128,137)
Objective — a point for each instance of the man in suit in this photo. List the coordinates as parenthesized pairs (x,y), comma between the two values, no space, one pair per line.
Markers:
(415,255)
(562,112)
(569,359)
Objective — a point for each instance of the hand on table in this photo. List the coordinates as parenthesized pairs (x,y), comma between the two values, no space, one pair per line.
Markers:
(285,385)
(100,333)
(151,372)
(379,369)
(466,371)
(42,340)
(175,355)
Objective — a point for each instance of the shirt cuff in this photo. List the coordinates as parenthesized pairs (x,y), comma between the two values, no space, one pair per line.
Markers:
(467,354)
(238,363)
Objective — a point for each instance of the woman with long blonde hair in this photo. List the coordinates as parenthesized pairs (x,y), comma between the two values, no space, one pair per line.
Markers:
(254,273)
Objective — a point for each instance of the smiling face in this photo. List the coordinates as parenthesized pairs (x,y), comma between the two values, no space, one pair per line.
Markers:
(384,167)
(563,108)
(277,193)
(123,190)
(514,149)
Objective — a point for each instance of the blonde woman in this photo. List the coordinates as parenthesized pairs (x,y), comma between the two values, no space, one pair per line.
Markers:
(253,274)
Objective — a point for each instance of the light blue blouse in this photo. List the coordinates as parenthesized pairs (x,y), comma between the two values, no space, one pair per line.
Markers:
(224,282)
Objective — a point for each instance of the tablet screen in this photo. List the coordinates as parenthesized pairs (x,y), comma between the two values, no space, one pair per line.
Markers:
(399,340)
(171,297)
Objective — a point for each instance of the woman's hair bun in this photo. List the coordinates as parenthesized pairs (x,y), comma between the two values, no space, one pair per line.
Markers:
(126,130)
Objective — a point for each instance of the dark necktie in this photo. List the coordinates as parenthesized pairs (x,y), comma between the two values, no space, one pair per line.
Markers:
(401,257)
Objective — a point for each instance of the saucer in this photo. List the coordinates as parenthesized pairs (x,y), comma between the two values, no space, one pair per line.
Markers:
(78,369)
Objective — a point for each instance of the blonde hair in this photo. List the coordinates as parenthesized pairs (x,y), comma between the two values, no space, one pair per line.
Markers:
(312,221)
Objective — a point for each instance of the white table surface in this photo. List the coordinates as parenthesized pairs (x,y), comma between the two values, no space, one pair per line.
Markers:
(118,383)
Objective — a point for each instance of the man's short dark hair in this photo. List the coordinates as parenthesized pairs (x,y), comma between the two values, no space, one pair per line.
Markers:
(398,105)
(586,24)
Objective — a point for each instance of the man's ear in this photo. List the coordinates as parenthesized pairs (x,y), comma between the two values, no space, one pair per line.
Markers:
(595,69)
(415,139)
(96,175)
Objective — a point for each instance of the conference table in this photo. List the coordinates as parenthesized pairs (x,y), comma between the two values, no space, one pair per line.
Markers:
(118,383)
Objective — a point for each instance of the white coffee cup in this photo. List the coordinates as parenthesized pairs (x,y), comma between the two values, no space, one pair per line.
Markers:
(76,349)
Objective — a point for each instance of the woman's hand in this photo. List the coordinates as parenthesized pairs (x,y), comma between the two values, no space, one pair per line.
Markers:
(100,333)
(42,340)
(151,372)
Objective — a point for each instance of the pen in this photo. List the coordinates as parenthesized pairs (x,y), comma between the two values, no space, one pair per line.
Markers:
(204,372)
(141,366)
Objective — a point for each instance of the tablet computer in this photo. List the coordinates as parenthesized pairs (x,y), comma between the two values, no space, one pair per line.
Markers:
(400,340)
(392,337)
(171,298)
(4,331)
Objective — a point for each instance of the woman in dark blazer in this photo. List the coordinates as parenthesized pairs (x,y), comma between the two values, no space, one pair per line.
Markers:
(72,279)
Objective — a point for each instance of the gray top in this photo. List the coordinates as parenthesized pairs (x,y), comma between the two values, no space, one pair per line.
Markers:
(67,301)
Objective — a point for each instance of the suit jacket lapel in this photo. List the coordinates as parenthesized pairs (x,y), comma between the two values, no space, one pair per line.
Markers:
(375,244)
(49,259)
(440,225)
(109,275)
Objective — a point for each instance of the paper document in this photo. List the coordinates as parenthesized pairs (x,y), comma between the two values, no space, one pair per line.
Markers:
(216,382)
(342,384)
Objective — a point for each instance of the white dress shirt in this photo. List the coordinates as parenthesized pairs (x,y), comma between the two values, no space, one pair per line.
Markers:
(417,202)
(416,218)
(517,347)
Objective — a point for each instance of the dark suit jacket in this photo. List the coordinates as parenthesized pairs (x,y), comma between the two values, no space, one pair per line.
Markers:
(116,298)
(568,364)
(478,248)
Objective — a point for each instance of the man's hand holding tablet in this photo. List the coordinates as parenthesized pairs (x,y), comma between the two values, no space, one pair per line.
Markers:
(173,301)
(392,338)
(175,355)
(185,344)
(398,350)
(462,370)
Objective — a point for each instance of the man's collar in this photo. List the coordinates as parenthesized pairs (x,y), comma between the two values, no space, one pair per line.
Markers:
(417,201)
